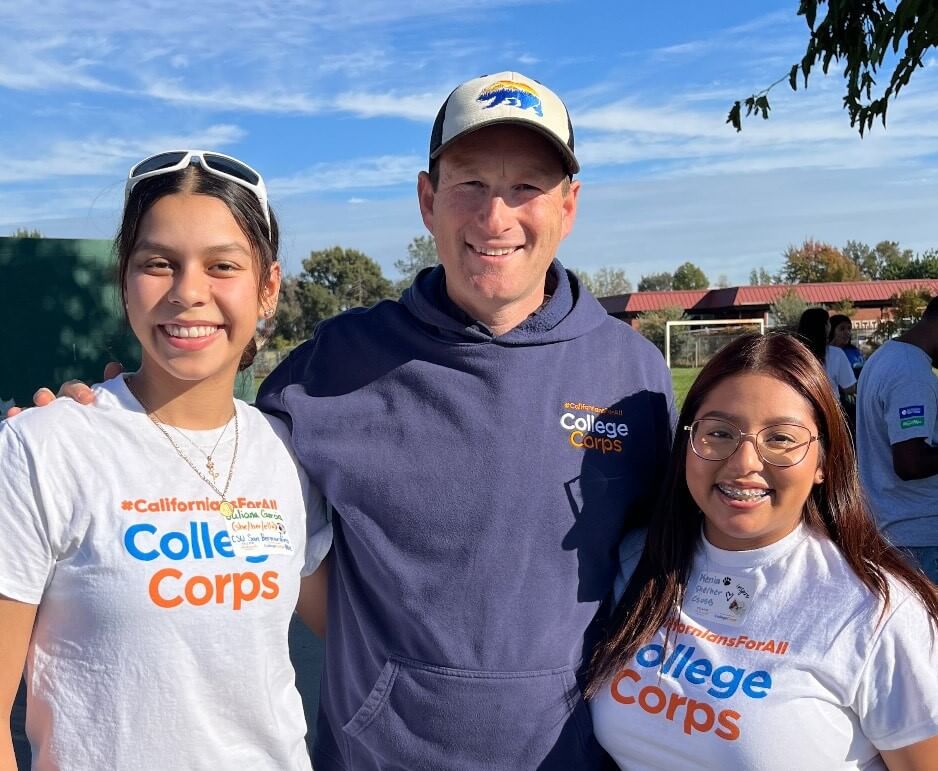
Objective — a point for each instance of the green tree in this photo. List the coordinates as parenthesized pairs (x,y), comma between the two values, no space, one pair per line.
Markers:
(651,324)
(816,261)
(858,35)
(25,233)
(290,323)
(907,308)
(864,258)
(761,277)
(924,265)
(884,261)
(336,279)
(845,308)
(655,282)
(421,253)
(606,282)
(787,310)
(689,276)
(722,281)
(891,261)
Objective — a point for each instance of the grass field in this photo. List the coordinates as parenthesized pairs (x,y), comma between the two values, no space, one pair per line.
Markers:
(682,379)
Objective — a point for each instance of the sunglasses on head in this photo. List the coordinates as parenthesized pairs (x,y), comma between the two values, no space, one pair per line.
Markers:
(218,164)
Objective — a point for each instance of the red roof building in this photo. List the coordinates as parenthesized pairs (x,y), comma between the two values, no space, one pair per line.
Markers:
(871,299)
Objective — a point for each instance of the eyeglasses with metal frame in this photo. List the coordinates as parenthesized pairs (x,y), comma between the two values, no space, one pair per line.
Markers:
(781,444)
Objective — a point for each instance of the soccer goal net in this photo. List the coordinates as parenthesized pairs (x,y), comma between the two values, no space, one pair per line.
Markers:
(690,344)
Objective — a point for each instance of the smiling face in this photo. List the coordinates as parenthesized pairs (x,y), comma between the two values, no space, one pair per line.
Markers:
(500,209)
(192,289)
(746,502)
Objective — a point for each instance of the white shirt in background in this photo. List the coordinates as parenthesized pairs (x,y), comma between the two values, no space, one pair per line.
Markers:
(838,369)
(897,400)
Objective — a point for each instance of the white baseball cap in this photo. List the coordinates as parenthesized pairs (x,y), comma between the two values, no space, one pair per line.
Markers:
(505,97)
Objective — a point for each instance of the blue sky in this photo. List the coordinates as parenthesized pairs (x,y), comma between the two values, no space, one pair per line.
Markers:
(333,102)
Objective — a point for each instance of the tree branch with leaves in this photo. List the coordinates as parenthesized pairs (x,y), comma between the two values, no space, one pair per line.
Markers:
(860,34)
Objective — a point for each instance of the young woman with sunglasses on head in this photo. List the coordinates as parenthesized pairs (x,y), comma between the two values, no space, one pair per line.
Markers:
(765,623)
(155,546)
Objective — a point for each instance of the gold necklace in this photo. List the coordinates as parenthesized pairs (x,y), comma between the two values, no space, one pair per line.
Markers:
(209,459)
(225,507)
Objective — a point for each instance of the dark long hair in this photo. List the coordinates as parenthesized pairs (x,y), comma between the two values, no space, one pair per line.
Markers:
(241,202)
(834,509)
(812,328)
(836,320)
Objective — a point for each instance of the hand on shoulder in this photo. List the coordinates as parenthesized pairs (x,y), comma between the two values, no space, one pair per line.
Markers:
(71,389)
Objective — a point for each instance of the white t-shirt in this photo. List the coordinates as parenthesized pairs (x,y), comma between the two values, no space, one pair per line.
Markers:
(155,645)
(897,399)
(838,369)
(777,661)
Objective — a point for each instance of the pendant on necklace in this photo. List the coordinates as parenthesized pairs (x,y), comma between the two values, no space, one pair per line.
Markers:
(226,509)
(210,465)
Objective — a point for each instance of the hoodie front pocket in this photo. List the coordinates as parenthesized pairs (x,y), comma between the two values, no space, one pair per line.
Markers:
(421,716)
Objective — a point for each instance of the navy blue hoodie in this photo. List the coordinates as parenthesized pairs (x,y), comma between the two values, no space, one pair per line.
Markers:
(481,486)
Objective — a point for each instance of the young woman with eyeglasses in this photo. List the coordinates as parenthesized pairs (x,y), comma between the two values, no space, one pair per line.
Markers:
(764,622)
(155,546)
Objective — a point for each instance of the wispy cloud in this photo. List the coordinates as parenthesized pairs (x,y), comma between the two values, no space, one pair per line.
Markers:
(88,45)
(418,107)
(231,99)
(742,36)
(384,171)
(355,63)
(108,156)
(29,64)
(687,134)
(305,88)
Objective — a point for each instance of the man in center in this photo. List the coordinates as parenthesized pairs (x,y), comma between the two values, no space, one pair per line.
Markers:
(485,442)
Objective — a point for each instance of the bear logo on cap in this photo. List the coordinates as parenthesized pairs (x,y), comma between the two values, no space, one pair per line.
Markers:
(511,94)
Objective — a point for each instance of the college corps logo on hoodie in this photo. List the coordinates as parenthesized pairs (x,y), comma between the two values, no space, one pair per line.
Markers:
(593,428)
(512,94)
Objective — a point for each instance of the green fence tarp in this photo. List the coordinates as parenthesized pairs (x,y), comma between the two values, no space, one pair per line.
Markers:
(60,314)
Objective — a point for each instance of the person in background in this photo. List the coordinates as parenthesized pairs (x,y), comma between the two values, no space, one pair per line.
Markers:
(764,622)
(897,438)
(841,337)
(156,544)
(814,328)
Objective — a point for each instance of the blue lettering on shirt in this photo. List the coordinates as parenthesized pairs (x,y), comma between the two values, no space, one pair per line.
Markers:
(723,681)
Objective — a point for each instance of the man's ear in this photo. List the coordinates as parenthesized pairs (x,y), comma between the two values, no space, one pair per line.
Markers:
(425,198)
(569,208)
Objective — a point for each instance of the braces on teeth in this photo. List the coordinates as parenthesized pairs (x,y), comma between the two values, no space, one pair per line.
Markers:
(743,495)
